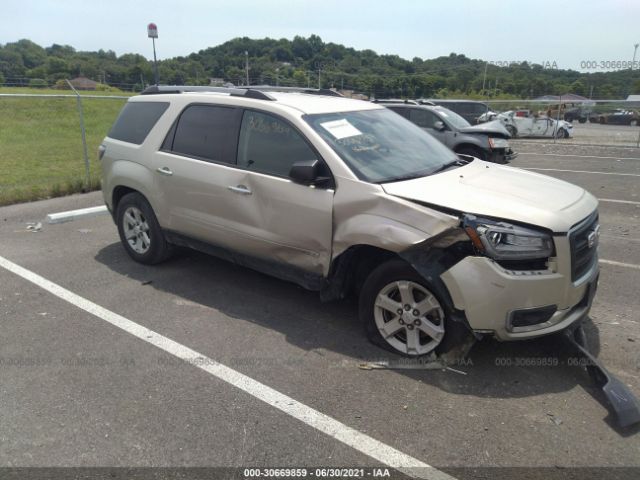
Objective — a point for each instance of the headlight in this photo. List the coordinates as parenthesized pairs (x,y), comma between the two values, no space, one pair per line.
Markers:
(503,241)
(498,143)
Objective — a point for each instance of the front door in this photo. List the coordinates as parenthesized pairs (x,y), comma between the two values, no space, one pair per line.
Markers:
(284,222)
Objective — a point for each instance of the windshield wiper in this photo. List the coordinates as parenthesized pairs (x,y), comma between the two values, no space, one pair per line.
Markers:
(454,163)
(409,176)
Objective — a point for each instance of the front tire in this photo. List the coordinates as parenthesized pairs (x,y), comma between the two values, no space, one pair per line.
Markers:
(139,230)
(512,130)
(400,312)
(561,133)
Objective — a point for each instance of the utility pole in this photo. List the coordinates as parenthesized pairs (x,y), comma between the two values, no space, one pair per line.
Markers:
(484,78)
(152,33)
(246,65)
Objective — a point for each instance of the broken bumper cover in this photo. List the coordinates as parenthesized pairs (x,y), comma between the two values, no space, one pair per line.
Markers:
(622,402)
(515,305)
(502,155)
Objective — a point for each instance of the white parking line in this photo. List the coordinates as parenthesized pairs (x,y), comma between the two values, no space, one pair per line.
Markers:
(620,264)
(313,418)
(611,200)
(574,155)
(581,171)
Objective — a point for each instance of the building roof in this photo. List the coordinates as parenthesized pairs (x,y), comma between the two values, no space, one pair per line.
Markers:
(83,83)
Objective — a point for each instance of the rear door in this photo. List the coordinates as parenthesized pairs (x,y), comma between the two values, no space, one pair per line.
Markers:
(193,170)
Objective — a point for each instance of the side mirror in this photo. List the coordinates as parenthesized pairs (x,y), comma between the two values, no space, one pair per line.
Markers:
(307,172)
(440,126)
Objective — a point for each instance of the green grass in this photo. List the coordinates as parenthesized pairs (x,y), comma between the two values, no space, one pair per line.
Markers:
(41,145)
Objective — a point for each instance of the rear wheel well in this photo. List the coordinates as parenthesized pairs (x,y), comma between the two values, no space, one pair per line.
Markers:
(119,192)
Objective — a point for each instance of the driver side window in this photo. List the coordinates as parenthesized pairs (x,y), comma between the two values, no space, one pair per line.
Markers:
(269,145)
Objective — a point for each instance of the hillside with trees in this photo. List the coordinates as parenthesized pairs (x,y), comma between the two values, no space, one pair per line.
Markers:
(309,62)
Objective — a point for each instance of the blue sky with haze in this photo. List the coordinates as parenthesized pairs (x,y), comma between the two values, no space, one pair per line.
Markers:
(564,32)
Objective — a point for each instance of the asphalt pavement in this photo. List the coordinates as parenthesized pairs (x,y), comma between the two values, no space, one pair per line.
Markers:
(79,391)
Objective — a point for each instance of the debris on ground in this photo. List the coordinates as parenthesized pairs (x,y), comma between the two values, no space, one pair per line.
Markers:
(34,226)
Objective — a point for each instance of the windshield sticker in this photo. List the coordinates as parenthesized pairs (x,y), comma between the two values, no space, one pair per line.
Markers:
(341,129)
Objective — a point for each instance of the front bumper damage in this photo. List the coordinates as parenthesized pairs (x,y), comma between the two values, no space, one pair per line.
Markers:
(502,155)
(622,402)
(434,257)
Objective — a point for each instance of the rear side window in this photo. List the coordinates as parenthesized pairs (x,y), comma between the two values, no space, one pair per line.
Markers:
(136,121)
(207,132)
(400,111)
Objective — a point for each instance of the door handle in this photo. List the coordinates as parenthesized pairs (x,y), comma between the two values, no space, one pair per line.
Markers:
(164,171)
(241,189)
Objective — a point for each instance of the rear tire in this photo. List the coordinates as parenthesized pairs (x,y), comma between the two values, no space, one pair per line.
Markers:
(512,131)
(139,230)
(400,311)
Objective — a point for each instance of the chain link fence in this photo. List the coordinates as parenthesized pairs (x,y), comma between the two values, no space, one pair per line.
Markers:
(48,143)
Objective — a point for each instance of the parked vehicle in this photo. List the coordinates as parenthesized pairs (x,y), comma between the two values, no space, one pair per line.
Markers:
(534,125)
(505,120)
(618,117)
(581,114)
(470,110)
(340,196)
(488,141)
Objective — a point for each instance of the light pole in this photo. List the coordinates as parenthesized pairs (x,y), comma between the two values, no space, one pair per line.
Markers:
(152,33)
(246,65)
(635,50)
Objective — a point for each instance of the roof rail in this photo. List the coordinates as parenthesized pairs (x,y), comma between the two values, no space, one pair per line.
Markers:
(253,91)
(310,91)
(394,100)
(234,92)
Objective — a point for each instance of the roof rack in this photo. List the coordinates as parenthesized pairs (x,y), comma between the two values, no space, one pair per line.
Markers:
(234,92)
(258,92)
(394,100)
(311,91)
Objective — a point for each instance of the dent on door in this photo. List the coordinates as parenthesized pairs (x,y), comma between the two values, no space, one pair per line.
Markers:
(288,223)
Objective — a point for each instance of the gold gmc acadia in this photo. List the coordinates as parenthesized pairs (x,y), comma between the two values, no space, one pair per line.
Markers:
(343,196)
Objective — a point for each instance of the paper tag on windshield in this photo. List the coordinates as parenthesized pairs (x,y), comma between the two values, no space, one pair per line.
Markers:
(341,129)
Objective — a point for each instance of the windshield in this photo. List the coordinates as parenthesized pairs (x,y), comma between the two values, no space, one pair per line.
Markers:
(452,117)
(381,146)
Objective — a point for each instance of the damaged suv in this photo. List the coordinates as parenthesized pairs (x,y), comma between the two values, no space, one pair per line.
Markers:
(341,196)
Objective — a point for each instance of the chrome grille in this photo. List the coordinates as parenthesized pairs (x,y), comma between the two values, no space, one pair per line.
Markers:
(583,239)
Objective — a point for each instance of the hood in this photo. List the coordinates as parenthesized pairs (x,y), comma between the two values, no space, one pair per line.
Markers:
(487,189)
(494,127)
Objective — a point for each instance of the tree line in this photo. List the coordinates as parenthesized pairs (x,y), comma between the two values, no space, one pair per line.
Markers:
(310,62)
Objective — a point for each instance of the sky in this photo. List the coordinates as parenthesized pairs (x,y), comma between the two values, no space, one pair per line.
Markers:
(562,34)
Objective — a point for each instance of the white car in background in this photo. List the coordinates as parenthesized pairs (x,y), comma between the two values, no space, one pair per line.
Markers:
(533,125)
